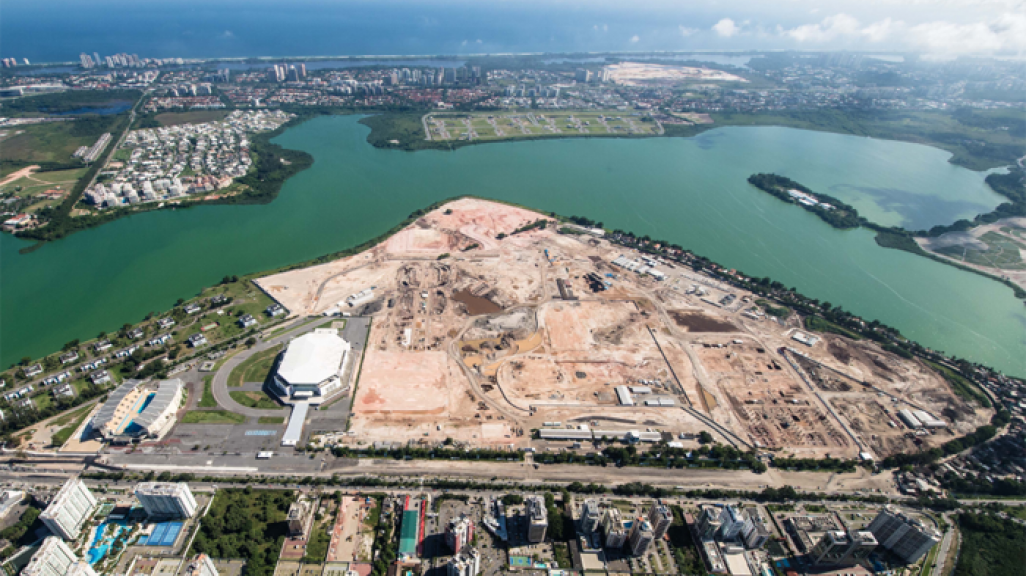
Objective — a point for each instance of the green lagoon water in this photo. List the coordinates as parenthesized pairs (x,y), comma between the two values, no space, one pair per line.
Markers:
(689,191)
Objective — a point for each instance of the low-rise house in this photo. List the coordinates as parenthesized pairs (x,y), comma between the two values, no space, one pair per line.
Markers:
(136,333)
(64,390)
(34,370)
(26,404)
(69,357)
(247,320)
(99,377)
(219,300)
(197,340)
(159,340)
(192,308)
(102,345)
(275,310)
(126,352)
(165,323)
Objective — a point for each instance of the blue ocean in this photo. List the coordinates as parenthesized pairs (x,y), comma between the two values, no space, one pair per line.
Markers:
(58,30)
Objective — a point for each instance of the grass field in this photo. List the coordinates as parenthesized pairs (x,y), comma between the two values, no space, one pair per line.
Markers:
(212,417)
(817,324)
(49,142)
(257,400)
(40,182)
(1002,252)
(191,117)
(73,421)
(271,420)
(207,399)
(255,368)
(959,385)
(494,126)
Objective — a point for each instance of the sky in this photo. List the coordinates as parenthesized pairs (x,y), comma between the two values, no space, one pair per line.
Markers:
(56,30)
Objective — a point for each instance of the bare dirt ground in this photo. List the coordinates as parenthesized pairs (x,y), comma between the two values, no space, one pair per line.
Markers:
(638,74)
(481,347)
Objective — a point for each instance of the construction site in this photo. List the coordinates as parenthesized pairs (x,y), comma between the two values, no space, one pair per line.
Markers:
(496,326)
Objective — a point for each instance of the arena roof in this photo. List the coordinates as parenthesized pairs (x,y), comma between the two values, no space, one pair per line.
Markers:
(313,358)
(106,413)
(166,391)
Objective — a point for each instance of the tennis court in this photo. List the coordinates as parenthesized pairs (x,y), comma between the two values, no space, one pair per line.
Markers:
(164,534)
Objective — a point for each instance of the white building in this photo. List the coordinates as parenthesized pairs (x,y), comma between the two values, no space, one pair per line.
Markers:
(537,518)
(612,526)
(55,558)
(166,499)
(201,565)
(311,368)
(466,563)
(591,516)
(69,509)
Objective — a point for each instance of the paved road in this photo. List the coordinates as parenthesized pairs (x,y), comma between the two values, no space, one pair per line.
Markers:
(942,554)
(220,382)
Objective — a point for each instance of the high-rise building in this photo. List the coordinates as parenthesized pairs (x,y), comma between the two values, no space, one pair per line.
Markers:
(465,563)
(459,532)
(55,558)
(837,548)
(299,518)
(641,537)
(166,499)
(754,533)
(302,70)
(612,526)
(293,74)
(661,518)
(201,565)
(582,75)
(450,76)
(902,534)
(732,522)
(591,516)
(69,509)
(85,60)
(709,523)
(96,58)
(537,518)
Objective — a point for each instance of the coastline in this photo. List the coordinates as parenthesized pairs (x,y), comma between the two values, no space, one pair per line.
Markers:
(886,237)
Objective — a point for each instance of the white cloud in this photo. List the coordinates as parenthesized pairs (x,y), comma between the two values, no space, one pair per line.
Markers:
(227,34)
(464,43)
(830,28)
(685,31)
(936,39)
(478,41)
(635,39)
(726,28)
(1006,33)
(601,27)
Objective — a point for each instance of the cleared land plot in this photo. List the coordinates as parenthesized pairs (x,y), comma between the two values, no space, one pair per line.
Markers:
(1002,252)
(492,126)
(403,382)
(50,141)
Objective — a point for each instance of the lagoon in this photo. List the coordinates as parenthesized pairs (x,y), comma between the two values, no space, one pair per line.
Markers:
(691,191)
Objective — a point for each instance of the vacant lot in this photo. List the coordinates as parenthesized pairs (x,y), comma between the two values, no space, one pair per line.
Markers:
(492,126)
(50,142)
(1002,252)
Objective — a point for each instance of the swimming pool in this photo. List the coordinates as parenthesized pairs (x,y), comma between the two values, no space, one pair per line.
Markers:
(102,541)
(128,425)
